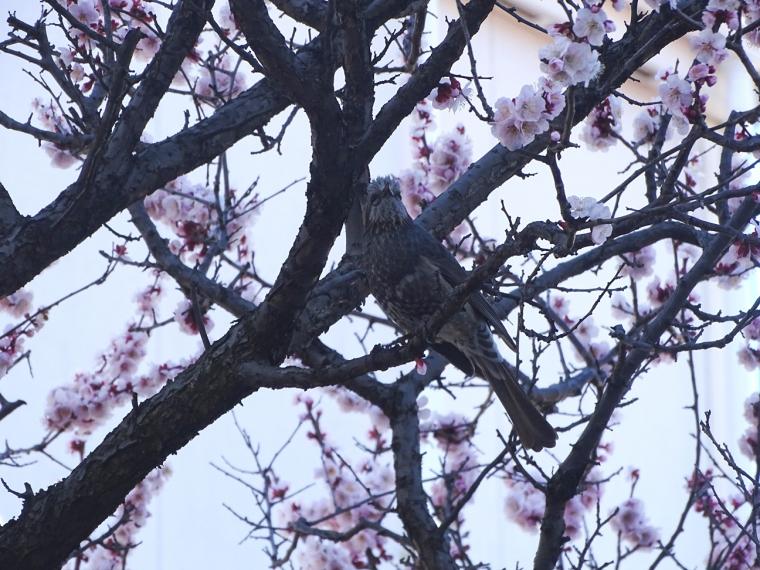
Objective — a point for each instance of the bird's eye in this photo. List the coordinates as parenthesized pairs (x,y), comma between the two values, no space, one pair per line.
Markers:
(374,198)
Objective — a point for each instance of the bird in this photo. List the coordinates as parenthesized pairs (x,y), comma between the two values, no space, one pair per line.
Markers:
(410,274)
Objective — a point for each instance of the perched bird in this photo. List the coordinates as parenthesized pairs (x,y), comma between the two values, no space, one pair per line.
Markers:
(410,273)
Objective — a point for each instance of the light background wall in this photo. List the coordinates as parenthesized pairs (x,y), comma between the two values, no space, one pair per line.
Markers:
(190,527)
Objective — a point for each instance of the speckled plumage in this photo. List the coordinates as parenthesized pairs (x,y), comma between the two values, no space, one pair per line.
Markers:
(410,274)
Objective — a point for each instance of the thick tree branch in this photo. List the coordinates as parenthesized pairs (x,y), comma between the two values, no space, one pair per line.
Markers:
(432,546)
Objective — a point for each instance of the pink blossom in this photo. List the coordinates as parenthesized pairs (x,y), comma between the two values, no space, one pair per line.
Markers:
(185,317)
(519,120)
(592,24)
(658,292)
(676,94)
(590,209)
(639,264)
(645,125)
(752,409)
(220,80)
(752,330)
(85,12)
(449,94)
(510,130)
(17,304)
(60,158)
(749,358)
(710,47)
(603,124)
(569,62)
(633,526)
(720,12)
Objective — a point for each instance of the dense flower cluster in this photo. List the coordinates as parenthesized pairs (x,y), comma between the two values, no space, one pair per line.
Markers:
(192,212)
(13,338)
(631,522)
(91,397)
(602,127)
(525,504)
(517,121)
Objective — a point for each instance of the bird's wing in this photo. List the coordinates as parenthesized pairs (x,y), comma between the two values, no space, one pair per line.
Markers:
(454,274)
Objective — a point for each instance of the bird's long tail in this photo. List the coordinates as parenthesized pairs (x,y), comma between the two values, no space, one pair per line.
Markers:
(532,428)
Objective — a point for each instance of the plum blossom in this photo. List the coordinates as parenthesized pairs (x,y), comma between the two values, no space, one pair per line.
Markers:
(359,492)
(592,24)
(569,62)
(590,209)
(603,124)
(517,121)
(638,264)
(702,73)
(632,524)
(85,12)
(185,317)
(449,94)
(525,505)
(658,292)
(60,158)
(89,399)
(752,10)
(646,124)
(17,304)
(710,47)
(720,12)
(190,211)
(451,156)
(749,358)
(675,94)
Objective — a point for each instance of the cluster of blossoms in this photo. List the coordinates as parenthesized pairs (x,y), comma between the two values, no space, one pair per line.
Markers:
(749,354)
(131,516)
(603,125)
(589,209)
(682,97)
(192,212)
(436,164)
(568,60)
(17,305)
(358,492)
(731,548)
(452,434)
(518,120)
(525,504)
(51,119)
(631,522)
(88,401)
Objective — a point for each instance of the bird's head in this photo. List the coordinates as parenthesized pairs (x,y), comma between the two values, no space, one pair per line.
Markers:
(382,206)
